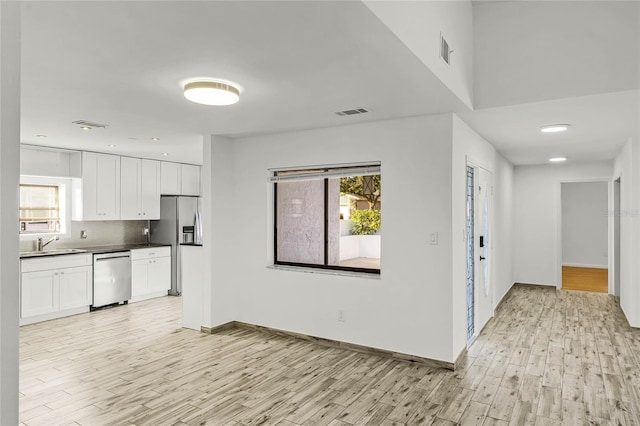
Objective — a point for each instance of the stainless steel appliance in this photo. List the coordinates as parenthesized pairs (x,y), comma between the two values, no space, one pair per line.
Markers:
(179,224)
(111,278)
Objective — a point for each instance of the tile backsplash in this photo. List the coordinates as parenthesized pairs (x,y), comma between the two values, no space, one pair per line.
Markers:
(99,233)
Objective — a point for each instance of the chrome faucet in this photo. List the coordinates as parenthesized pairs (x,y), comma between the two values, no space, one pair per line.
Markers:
(40,245)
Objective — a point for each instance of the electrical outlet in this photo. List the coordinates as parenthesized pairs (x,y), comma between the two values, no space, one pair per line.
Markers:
(83,234)
(145,231)
(341,317)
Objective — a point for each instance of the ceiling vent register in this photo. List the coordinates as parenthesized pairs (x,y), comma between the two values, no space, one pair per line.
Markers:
(89,124)
(353,111)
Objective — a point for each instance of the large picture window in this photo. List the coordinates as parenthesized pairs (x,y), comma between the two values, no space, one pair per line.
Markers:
(328,217)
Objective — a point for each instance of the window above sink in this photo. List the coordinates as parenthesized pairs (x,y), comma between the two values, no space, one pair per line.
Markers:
(45,207)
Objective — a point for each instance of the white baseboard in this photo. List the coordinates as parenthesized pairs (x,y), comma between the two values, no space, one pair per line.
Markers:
(584,265)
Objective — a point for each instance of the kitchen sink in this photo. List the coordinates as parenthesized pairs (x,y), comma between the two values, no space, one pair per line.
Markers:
(51,252)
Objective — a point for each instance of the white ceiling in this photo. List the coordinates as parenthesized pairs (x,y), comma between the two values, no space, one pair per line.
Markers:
(123,64)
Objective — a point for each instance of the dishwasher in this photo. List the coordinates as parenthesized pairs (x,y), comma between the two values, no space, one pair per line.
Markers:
(111,278)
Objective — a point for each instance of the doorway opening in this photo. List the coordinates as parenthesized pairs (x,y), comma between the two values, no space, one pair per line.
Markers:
(585,236)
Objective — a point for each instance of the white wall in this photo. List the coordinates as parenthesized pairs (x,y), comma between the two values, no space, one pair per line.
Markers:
(418,25)
(626,167)
(408,307)
(220,304)
(551,46)
(469,146)
(537,216)
(585,224)
(503,236)
(9,181)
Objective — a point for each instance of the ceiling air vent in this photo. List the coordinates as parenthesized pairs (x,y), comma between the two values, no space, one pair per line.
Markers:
(445,52)
(353,111)
(89,124)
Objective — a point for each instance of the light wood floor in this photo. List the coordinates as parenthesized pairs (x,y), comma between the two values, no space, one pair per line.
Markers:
(585,279)
(548,358)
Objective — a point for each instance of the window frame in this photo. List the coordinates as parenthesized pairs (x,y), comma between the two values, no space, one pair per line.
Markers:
(65,189)
(316,171)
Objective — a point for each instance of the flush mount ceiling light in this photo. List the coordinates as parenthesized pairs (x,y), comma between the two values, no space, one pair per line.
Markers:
(557,159)
(85,128)
(554,128)
(211,93)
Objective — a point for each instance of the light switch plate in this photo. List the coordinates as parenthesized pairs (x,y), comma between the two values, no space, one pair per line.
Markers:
(433,238)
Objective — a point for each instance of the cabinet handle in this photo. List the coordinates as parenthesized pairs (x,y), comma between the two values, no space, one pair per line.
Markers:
(55,273)
(61,273)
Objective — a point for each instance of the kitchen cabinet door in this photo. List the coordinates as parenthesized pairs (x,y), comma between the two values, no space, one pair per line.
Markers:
(150,189)
(169,178)
(130,174)
(139,284)
(159,274)
(100,186)
(190,180)
(76,287)
(39,293)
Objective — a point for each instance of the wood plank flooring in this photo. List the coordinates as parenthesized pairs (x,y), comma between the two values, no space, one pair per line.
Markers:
(585,279)
(548,358)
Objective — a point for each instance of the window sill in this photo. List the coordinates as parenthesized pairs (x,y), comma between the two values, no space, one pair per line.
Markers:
(325,271)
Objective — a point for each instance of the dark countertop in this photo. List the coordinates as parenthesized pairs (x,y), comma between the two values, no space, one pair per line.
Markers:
(191,244)
(92,250)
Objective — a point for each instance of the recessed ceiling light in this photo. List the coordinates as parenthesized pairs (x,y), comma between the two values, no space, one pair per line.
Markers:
(41,136)
(211,93)
(111,145)
(554,128)
(85,127)
(165,153)
(155,139)
(557,159)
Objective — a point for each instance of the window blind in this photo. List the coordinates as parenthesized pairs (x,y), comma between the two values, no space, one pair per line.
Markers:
(325,172)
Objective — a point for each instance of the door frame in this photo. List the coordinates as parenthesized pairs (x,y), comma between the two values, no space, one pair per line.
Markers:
(475,164)
(558,197)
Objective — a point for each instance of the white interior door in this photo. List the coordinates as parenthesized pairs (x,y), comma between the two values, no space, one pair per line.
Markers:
(483,243)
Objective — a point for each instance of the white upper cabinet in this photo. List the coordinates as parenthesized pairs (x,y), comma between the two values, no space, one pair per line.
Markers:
(169,178)
(140,189)
(100,187)
(190,182)
(150,189)
(40,161)
(179,179)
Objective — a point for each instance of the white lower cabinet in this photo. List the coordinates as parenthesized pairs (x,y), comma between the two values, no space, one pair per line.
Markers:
(55,286)
(150,273)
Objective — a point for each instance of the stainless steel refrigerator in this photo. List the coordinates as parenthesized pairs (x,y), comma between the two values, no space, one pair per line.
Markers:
(180,223)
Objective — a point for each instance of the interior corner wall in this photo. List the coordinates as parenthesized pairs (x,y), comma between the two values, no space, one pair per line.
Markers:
(218,212)
(9,182)
(407,308)
(418,24)
(503,273)
(469,146)
(536,214)
(626,168)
